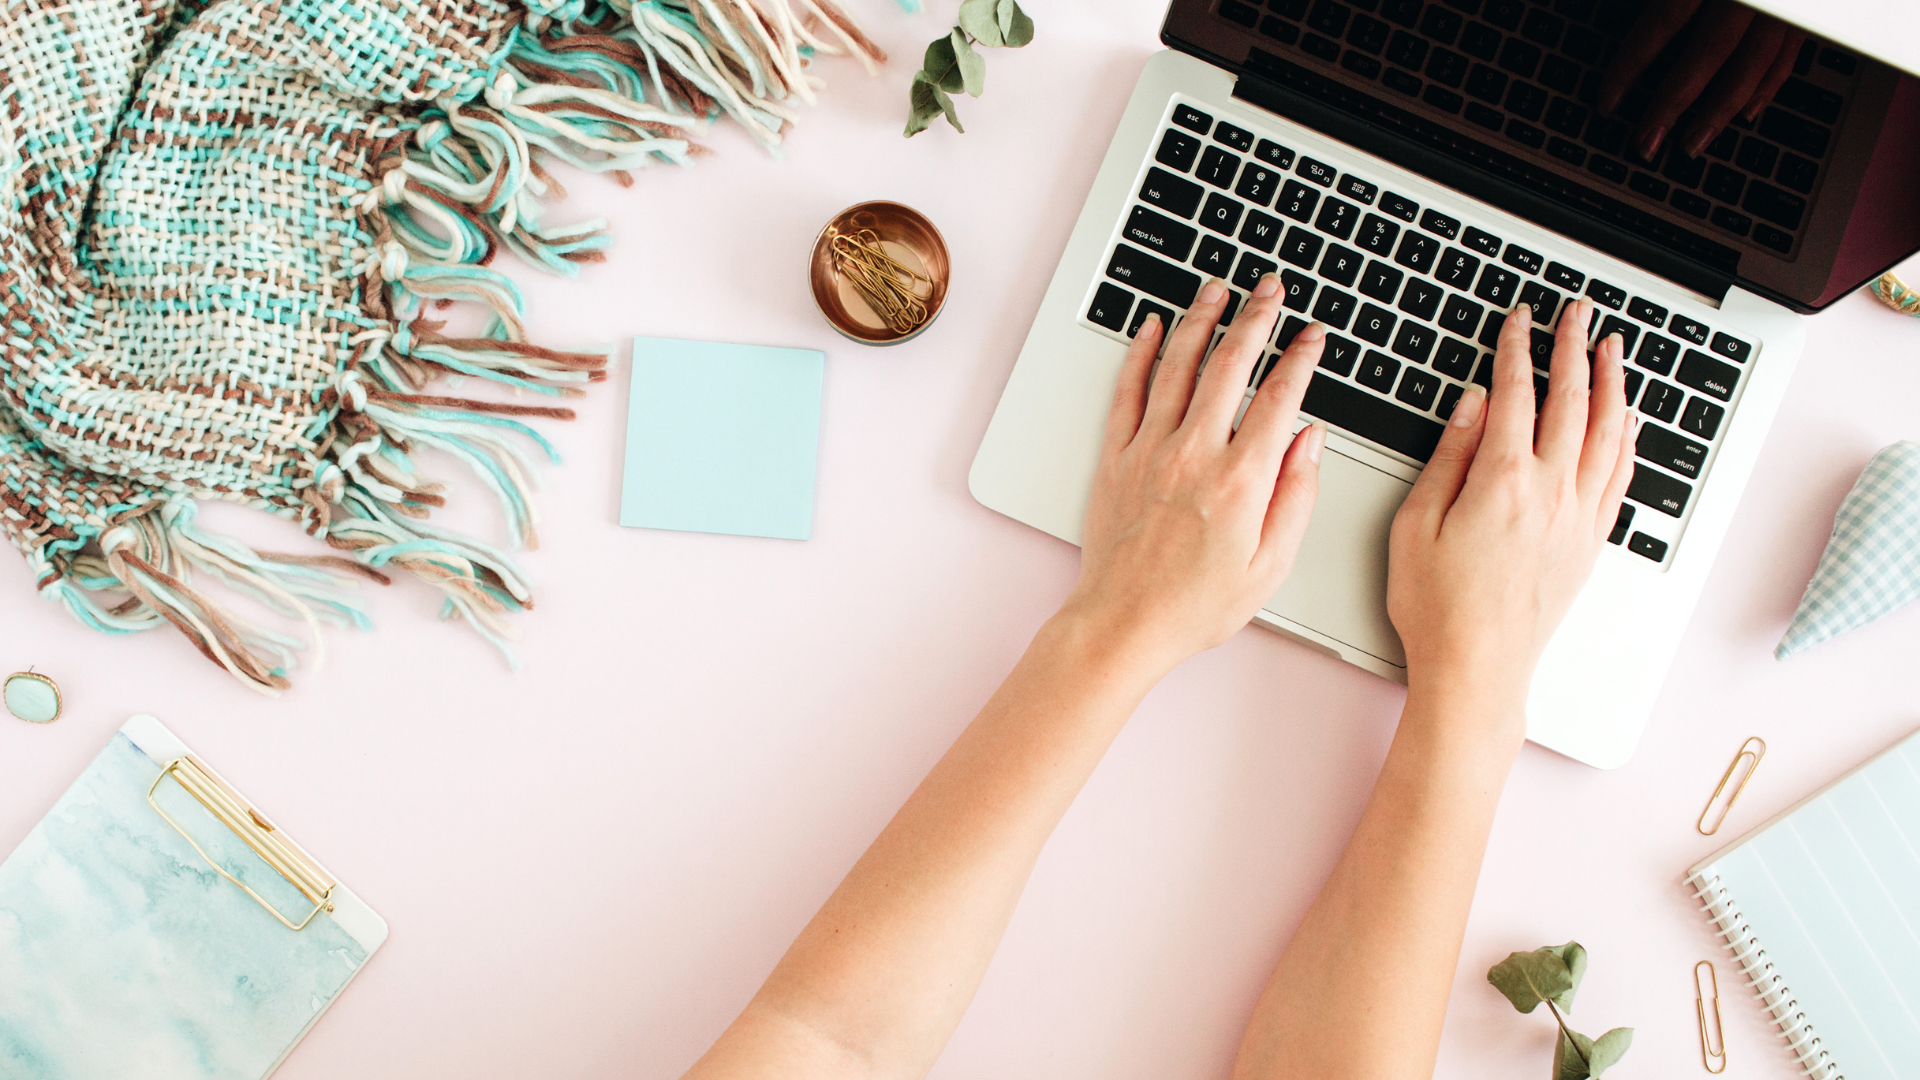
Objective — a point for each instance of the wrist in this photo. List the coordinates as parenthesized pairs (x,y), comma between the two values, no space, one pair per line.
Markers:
(1115,650)
(1487,706)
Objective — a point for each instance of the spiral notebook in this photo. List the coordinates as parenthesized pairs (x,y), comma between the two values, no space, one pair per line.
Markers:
(1821,909)
(155,925)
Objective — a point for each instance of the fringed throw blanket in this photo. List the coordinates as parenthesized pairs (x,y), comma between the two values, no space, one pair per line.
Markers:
(222,224)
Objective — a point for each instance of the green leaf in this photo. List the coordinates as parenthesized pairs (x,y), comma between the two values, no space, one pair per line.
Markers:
(1528,978)
(1608,1049)
(1016,29)
(942,66)
(972,67)
(1570,1058)
(922,104)
(977,17)
(1575,957)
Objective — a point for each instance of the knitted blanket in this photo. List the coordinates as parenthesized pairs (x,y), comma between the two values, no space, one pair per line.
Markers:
(222,226)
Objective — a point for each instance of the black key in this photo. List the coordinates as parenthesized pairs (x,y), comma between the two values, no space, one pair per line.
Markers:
(1707,375)
(1684,170)
(1440,24)
(1447,68)
(1376,234)
(1407,50)
(1688,203)
(1134,267)
(1414,341)
(1374,323)
(1340,355)
(1688,329)
(1315,45)
(1621,524)
(1837,60)
(1526,133)
(1724,184)
(1238,12)
(1399,207)
(1480,40)
(1367,34)
(1376,419)
(1177,150)
(1795,133)
(1239,138)
(1657,354)
(1454,358)
(1296,289)
(1631,391)
(1642,544)
(1768,236)
(1702,418)
(1608,168)
(1355,188)
(1158,232)
(1566,118)
(1449,401)
(1221,214)
(1111,304)
(1757,156)
(1544,302)
(1261,231)
(1614,324)
(1329,17)
(1403,12)
(1174,194)
(1483,242)
(1526,100)
(1490,330)
(1651,186)
(1377,371)
(1215,257)
(1522,259)
(1436,222)
(1251,269)
(1647,312)
(1797,173)
(1342,265)
(1497,286)
(1607,135)
(1522,59)
(1540,348)
(1417,252)
(1651,487)
(1457,269)
(1290,328)
(1191,118)
(1769,203)
(1565,276)
(1301,248)
(1297,201)
(1284,32)
(1608,295)
(1670,449)
(1442,98)
(1486,84)
(1420,299)
(1803,61)
(1662,400)
(1418,389)
(1461,316)
(1382,282)
(1338,217)
(1723,144)
(1488,118)
(1731,348)
(1217,167)
(1484,373)
(1317,171)
(1334,308)
(1146,308)
(1504,14)
(1401,81)
(1257,183)
(1566,151)
(1272,153)
(1231,309)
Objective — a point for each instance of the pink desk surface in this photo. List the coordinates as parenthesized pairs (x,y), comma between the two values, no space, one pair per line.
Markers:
(589,866)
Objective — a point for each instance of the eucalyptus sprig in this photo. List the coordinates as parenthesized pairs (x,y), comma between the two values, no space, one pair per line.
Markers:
(1552,974)
(951,65)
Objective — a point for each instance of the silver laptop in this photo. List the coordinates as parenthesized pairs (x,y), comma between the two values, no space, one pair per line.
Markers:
(1412,170)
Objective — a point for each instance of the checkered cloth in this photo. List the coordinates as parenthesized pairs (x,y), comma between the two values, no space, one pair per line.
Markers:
(1872,562)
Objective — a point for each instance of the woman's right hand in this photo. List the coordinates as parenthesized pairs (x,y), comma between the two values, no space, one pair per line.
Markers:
(1502,529)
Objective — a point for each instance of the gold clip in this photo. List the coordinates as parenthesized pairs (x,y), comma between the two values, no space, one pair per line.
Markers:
(1708,1055)
(1752,768)
(282,854)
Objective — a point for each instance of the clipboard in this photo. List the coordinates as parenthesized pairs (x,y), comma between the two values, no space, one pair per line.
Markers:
(156,924)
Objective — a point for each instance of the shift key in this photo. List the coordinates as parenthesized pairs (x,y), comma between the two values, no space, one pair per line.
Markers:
(1651,487)
(1669,448)
(1153,276)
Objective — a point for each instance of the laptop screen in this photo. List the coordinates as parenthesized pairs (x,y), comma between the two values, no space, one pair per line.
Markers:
(1704,141)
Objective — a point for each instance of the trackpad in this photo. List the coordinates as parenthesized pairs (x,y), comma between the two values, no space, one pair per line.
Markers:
(1339,583)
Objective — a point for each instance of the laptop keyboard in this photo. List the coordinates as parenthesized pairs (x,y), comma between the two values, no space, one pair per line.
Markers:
(1414,293)
(1529,74)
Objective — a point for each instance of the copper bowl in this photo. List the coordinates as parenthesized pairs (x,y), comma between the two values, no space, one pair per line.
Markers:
(908,236)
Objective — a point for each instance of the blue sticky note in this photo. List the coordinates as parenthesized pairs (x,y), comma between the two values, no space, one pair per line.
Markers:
(722,438)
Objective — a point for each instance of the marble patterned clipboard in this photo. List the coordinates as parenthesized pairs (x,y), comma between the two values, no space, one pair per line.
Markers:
(124,954)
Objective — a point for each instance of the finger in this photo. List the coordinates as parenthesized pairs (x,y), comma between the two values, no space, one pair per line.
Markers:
(1735,86)
(1563,419)
(1172,385)
(1510,404)
(1609,509)
(1714,36)
(1446,472)
(1291,510)
(1223,385)
(1266,431)
(1130,394)
(1607,415)
(1650,34)
(1782,67)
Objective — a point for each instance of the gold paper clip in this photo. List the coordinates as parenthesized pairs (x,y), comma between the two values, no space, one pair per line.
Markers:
(282,854)
(1708,1055)
(1753,767)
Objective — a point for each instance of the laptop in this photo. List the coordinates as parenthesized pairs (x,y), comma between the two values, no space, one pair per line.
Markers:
(1412,170)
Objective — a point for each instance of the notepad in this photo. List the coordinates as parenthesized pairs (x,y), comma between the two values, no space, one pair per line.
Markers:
(722,438)
(1821,909)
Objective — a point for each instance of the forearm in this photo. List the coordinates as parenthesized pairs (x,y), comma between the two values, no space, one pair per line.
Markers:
(1362,988)
(879,979)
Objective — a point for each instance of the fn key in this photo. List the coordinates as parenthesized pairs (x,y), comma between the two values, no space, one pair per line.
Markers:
(1111,303)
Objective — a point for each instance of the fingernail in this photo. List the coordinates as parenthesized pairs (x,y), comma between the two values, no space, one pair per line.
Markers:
(1150,324)
(1619,343)
(1268,285)
(1585,314)
(1523,312)
(1466,412)
(1753,111)
(1650,143)
(1214,292)
(1316,441)
(1699,144)
(1315,331)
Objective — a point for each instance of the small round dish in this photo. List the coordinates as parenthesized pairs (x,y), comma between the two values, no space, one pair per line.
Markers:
(909,237)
